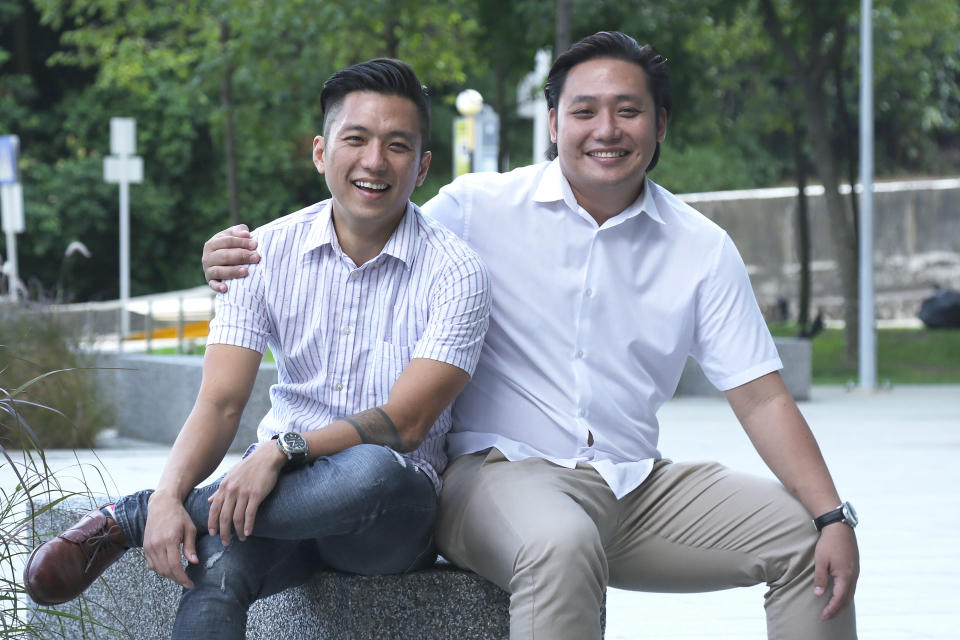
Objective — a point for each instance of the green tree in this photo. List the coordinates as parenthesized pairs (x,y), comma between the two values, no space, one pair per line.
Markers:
(226,98)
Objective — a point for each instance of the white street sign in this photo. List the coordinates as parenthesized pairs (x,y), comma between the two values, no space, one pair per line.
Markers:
(9,150)
(125,169)
(11,201)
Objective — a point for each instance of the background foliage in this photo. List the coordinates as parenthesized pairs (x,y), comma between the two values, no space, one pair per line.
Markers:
(202,77)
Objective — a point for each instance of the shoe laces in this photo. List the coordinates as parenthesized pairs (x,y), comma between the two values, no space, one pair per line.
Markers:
(99,542)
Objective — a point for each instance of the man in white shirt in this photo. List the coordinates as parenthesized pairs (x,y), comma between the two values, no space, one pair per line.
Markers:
(604,283)
(376,317)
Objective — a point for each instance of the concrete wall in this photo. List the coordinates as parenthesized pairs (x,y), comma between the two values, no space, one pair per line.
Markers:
(917,242)
(153,395)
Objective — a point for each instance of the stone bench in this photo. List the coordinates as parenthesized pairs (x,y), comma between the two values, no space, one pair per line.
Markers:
(440,603)
(166,387)
(795,353)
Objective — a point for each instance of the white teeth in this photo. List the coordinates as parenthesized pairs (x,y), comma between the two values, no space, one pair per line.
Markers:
(608,154)
(370,185)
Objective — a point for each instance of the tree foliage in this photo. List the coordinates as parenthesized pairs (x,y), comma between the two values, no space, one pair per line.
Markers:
(67,66)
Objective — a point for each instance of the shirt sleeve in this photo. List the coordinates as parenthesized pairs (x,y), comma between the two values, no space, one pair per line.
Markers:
(449,208)
(241,313)
(732,342)
(459,315)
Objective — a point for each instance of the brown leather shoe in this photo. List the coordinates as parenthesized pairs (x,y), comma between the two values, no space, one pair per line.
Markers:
(61,569)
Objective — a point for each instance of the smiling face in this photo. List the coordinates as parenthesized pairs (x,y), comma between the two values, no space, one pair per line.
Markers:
(606,127)
(371,157)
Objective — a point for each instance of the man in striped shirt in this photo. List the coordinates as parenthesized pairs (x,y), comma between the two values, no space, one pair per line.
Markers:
(376,316)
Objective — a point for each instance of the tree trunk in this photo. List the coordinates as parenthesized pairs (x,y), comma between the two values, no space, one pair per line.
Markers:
(503,140)
(809,68)
(803,228)
(390,39)
(564,19)
(849,136)
(842,231)
(21,43)
(229,146)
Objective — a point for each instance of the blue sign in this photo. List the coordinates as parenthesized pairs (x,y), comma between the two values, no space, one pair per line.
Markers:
(9,152)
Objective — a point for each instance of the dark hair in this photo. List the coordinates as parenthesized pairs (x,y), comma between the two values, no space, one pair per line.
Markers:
(612,44)
(380,75)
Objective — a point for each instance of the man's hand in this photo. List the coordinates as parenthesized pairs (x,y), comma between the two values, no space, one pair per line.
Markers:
(168,527)
(225,254)
(836,557)
(234,504)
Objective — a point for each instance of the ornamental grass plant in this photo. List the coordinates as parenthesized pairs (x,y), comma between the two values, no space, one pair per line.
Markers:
(39,345)
(34,349)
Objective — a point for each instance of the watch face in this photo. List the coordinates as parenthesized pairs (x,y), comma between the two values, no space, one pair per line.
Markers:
(850,514)
(293,442)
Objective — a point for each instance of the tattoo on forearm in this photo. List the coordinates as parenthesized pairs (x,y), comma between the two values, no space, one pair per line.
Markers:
(375,427)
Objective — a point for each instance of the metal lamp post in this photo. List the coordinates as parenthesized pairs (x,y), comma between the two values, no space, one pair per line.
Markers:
(469,104)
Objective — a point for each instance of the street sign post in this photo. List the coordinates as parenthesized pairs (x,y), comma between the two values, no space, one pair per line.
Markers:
(123,168)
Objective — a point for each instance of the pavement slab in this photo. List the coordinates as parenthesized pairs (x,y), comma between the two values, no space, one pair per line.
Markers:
(895,454)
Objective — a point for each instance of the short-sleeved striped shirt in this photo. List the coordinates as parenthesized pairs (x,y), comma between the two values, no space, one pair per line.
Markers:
(341,334)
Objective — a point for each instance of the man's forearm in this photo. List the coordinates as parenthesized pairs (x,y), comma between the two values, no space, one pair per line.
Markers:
(374,426)
(228,376)
(783,439)
(199,448)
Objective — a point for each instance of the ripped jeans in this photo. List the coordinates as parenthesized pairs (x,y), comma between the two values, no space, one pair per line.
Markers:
(365,510)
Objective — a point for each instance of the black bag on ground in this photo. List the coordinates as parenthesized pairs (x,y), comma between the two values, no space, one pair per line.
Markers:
(941,310)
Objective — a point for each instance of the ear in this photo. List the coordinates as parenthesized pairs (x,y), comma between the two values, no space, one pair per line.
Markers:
(661,124)
(553,126)
(318,149)
(424,167)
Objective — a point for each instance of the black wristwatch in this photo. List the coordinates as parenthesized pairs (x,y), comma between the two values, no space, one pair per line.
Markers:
(293,445)
(845,513)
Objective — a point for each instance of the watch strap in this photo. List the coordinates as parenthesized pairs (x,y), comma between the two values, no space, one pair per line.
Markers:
(828,518)
(840,514)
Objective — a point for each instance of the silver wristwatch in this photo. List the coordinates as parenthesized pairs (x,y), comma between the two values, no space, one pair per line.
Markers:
(294,446)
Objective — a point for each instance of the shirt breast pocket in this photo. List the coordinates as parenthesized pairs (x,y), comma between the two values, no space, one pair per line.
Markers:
(389,360)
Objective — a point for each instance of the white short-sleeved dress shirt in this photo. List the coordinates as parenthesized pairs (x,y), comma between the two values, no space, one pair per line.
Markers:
(341,333)
(591,325)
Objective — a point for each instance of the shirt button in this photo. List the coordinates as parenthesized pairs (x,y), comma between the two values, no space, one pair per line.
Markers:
(580,353)
(581,413)
(588,292)
(355,275)
(338,386)
(347,330)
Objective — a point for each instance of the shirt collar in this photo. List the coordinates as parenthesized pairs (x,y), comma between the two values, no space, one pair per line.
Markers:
(399,245)
(402,241)
(554,186)
(321,231)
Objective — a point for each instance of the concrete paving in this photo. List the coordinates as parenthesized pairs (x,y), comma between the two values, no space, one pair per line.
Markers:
(892,453)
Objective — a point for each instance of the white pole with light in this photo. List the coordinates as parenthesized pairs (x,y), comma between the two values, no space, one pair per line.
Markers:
(123,167)
(868,331)
(469,104)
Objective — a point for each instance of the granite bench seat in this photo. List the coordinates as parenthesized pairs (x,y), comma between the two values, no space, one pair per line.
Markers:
(439,603)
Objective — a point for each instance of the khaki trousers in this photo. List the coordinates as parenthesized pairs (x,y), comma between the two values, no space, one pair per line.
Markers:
(554,538)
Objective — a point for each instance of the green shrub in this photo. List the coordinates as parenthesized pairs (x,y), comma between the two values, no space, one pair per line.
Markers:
(39,346)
